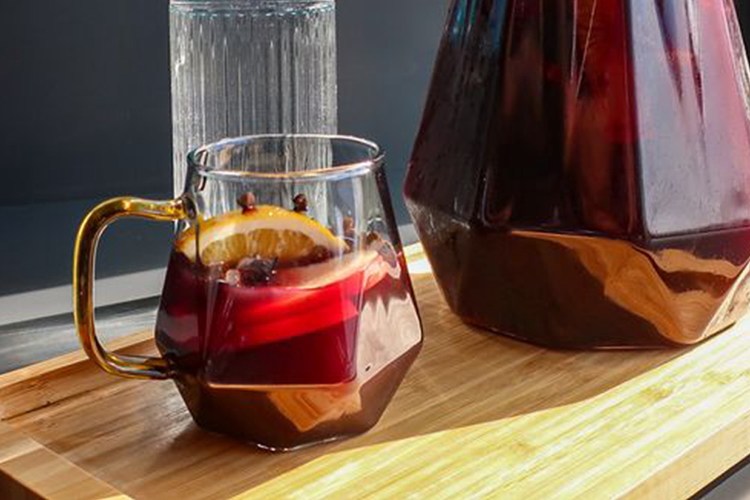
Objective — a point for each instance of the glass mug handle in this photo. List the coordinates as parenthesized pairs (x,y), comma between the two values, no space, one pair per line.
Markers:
(84,257)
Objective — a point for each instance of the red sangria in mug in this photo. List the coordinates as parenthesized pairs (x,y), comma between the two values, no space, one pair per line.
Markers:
(287,315)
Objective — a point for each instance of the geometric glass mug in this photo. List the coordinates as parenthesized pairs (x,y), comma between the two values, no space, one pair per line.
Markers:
(287,315)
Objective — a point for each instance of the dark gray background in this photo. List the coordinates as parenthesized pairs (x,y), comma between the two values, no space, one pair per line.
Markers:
(85,115)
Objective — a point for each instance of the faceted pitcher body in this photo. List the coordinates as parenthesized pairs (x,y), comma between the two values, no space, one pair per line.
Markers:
(581,177)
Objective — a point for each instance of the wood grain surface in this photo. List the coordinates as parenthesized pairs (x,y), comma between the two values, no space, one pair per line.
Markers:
(478,414)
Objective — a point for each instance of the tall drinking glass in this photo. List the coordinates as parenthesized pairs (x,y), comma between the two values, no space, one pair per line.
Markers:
(242,67)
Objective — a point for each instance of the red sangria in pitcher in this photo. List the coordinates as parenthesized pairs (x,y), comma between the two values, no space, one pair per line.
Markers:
(581,178)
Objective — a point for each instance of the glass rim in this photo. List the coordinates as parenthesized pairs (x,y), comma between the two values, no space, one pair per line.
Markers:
(353,169)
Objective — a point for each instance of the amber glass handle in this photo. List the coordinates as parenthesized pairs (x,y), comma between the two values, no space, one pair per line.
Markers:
(84,257)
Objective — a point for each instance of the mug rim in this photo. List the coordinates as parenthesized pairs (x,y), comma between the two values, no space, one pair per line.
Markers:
(335,171)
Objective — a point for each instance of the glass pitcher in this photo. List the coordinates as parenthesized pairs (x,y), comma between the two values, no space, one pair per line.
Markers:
(581,178)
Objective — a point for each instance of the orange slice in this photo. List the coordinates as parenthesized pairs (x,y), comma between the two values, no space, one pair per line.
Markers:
(268,232)
(327,273)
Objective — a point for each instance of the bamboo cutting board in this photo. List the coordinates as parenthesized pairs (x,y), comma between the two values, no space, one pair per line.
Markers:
(477,415)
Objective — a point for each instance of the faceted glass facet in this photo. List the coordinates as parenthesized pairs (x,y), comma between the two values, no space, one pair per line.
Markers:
(581,177)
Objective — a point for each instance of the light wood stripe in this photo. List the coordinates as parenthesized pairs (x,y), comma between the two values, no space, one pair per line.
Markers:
(29,470)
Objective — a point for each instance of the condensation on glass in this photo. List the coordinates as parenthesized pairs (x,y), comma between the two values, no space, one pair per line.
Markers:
(242,67)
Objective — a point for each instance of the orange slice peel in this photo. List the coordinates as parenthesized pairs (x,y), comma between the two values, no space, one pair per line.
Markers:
(266,232)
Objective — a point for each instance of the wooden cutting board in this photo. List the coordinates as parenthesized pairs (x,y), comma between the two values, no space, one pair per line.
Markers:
(477,414)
